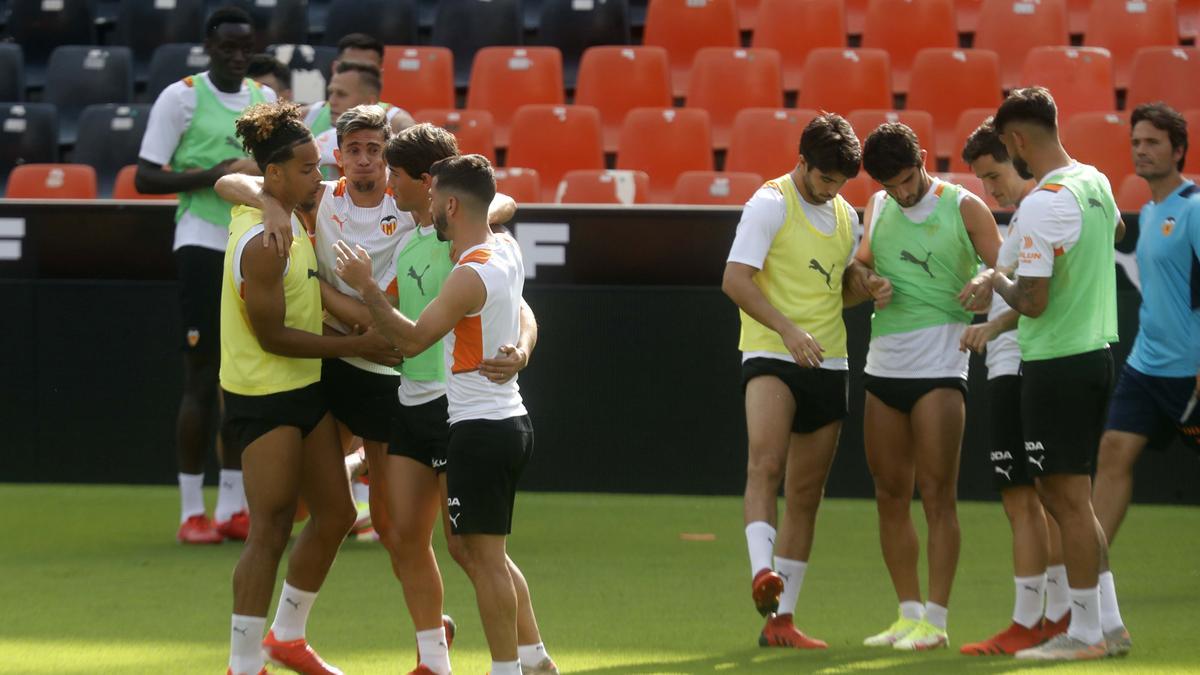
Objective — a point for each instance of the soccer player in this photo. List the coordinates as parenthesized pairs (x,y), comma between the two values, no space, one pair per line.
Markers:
(276,416)
(926,236)
(358,47)
(1161,377)
(191,129)
(1037,557)
(791,271)
(354,83)
(272,74)
(476,312)
(1066,295)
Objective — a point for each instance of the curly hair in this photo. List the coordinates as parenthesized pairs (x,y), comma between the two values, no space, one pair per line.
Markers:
(270,131)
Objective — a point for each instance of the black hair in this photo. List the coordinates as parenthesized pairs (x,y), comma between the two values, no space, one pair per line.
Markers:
(265,64)
(271,131)
(224,15)
(360,41)
(828,144)
(985,141)
(890,149)
(368,73)
(1031,104)
(468,175)
(1164,118)
(416,149)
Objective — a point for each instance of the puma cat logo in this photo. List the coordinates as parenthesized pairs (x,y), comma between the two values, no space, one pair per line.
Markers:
(923,264)
(814,264)
(412,272)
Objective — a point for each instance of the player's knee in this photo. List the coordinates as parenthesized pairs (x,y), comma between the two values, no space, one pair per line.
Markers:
(271,532)
(764,468)
(458,552)
(804,499)
(1022,505)
(335,520)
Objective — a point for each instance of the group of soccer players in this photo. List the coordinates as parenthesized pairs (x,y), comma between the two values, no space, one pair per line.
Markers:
(931,257)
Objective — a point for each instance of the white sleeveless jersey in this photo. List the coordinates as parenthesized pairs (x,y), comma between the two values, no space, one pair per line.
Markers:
(472,396)
(377,229)
(1003,353)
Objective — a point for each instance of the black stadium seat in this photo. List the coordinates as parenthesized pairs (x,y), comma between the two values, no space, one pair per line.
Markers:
(171,63)
(310,68)
(276,21)
(392,22)
(12,72)
(143,25)
(79,76)
(573,26)
(466,26)
(110,136)
(40,26)
(28,135)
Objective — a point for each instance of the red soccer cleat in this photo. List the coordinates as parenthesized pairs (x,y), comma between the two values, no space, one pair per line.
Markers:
(421,669)
(261,672)
(297,656)
(451,629)
(237,527)
(1054,628)
(1008,641)
(766,589)
(781,632)
(198,529)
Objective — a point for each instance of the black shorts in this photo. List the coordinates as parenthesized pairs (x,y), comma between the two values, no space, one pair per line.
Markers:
(200,271)
(1063,402)
(485,461)
(1153,407)
(821,395)
(421,432)
(249,417)
(1007,453)
(364,401)
(902,393)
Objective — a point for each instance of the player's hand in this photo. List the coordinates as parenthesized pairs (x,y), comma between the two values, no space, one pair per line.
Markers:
(376,349)
(880,289)
(353,266)
(806,351)
(277,227)
(509,361)
(976,337)
(976,296)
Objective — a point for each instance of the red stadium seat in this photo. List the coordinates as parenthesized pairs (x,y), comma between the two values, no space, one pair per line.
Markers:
(52,181)
(683,27)
(1169,74)
(1011,29)
(904,27)
(856,16)
(966,15)
(948,81)
(715,188)
(615,80)
(921,122)
(796,28)
(1077,14)
(1102,140)
(554,139)
(418,77)
(1189,19)
(472,129)
(124,187)
(766,141)
(1133,193)
(598,186)
(1079,78)
(1192,161)
(968,122)
(858,190)
(747,12)
(844,80)
(974,185)
(1125,26)
(506,78)
(756,72)
(664,143)
(520,184)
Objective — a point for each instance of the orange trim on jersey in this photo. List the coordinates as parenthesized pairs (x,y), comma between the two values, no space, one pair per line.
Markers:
(480,256)
(1058,250)
(189,81)
(339,190)
(468,344)
(937,191)
(1052,187)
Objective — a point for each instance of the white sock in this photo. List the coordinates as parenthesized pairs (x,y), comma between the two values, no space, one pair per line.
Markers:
(1027,608)
(911,609)
(792,572)
(1058,600)
(191,495)
(1085,615)
(1110,611)
(506,668)
(433,651)
(231,496)
(362,492)
(532,655)
(936,615)
(291,616)
(760,541)
(245,644)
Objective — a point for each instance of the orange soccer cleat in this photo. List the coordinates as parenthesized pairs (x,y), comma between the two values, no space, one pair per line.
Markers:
(766,589)
(296,655)
(781,632)
(261,672)
(1008,641)
(198,529)
(1055,628)
(237,527)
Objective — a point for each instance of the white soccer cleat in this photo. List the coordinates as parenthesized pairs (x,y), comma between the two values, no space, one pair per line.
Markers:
(1063,647)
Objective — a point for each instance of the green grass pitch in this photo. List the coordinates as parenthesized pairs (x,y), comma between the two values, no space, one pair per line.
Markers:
(91,581)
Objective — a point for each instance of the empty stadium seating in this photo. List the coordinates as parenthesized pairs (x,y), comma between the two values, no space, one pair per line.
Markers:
(78,76)
(1102,140)
(12,72)
(506,78)
(28,135)
(110,136)
(1011,29)
(683,27)
(716,188)
(143,25)
(904,27)
(796,28)
(600,186)
(171,63)
(52,181)
(1169,74)
(124,188)
(949,81)
(555,139)
(521,184)
(615,80)
(973,184)
(466,26)
(756,72)
(573,27)
(968,121)
(921,122)
(1124,26)
(1081,78)
(844,80)
(766,141)
(1132,193)
(473,129)
(39,27)
(664,143)
(392,22)
(418,77)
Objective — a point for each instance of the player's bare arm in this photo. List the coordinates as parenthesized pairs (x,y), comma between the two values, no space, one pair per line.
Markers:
(1028,295)
(860,283)
(739,285)
(239,188)
(344,308)
(154,179)
(977,336)
(501,210)
(266,308)
(976,295)
(512,359)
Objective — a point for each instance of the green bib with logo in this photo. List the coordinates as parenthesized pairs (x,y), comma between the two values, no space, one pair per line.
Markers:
(422,267)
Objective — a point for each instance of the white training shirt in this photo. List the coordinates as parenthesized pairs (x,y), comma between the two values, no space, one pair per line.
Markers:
(1003,353)
(927,352)
(477,336)
(169,119)
(378,229)
(1051,224)
(762,218)
(417,392)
